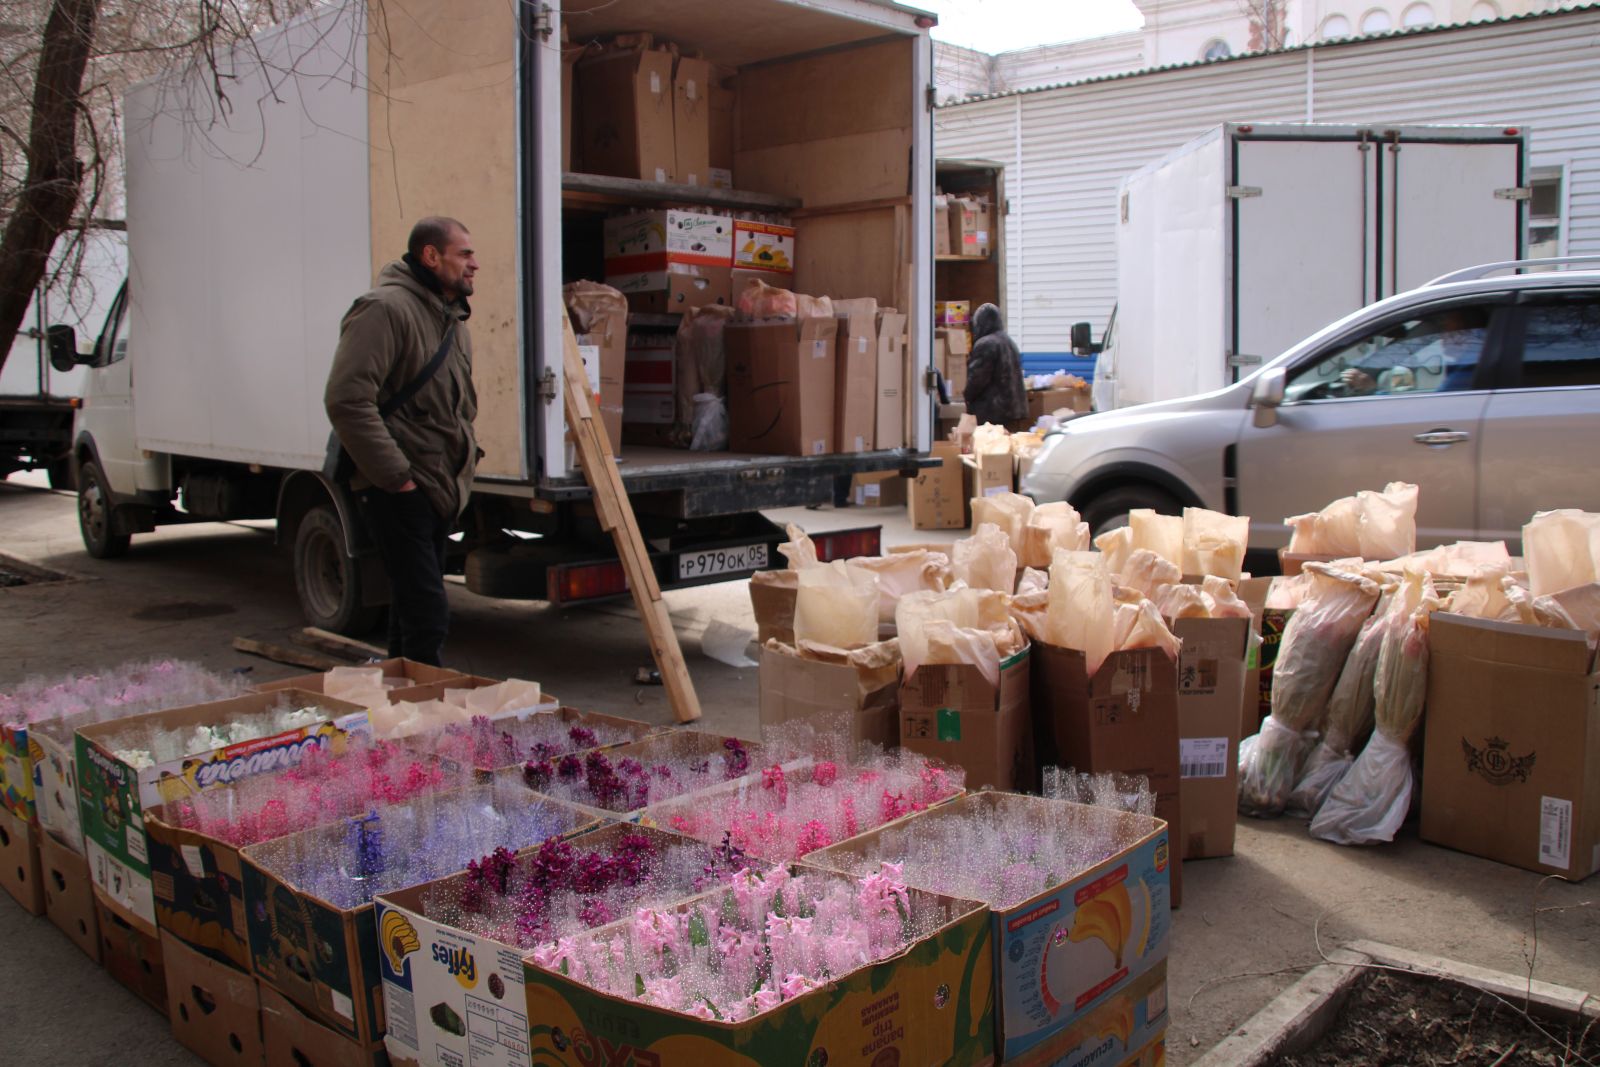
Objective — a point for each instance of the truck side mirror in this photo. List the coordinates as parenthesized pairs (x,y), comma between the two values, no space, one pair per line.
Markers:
(1267,395)
(62,342)
(1082,342)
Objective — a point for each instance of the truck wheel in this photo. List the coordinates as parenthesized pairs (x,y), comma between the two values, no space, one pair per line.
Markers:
(327,580)
(1109,510)
(97,515)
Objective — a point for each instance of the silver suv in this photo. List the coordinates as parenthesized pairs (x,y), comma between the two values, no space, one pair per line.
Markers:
(1483,390)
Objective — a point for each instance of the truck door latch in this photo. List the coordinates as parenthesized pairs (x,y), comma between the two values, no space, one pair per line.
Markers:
(1243,192)
(1515,192)
(547,386)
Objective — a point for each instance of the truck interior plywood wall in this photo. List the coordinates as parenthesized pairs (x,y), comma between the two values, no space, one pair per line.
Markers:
(443,142)
(762,30)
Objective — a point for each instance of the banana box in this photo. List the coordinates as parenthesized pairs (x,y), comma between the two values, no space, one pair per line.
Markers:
(763,246)
(450,996)
(1072,948)
(669,235)
(113,794)
(16,771)
(929,1004)
(320,947)
(1126,1030)
(19,862)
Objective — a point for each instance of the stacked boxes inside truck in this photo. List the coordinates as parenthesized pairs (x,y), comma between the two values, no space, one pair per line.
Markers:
(761,252)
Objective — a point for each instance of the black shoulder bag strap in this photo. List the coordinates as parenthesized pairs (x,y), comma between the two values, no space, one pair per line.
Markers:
(339,466)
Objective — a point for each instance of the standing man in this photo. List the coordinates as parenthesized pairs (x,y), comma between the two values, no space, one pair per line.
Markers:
(401,401)
(995,391)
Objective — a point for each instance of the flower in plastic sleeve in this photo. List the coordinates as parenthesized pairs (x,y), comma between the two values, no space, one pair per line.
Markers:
(825,773)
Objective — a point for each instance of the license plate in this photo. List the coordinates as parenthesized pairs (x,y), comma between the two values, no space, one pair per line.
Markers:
(722,561)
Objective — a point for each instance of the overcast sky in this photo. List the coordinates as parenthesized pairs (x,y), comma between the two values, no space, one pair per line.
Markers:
(1001,25)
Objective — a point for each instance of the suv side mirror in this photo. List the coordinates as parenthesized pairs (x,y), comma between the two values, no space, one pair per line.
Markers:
(1267,395)
(62,342)
(1082,339)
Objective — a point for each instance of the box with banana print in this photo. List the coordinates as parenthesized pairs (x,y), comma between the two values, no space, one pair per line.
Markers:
(1067,951)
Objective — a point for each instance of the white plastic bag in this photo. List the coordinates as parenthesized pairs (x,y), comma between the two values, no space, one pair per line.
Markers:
(1269,763)
(710,424)
(1161,534)
(902,573)
(985,560)
(949,643)
(1561,549)
(1350,711)
(1148,573)
(1009,511)
(1051,527)
(1388,526)
(975,609)
(837,605)
(1369,804)
(799,550)
(1116,546)
(1214,543)
(1081,610)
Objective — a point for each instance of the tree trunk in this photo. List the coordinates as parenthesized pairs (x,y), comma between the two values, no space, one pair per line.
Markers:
(55,174)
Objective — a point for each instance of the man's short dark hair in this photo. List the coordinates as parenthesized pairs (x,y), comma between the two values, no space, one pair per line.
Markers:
(435,230)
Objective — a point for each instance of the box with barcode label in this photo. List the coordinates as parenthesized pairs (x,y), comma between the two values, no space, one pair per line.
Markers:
(1211,692)
(1511,754)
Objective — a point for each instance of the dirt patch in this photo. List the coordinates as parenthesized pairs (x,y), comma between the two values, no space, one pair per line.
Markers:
(1400,1019)
(183,611)
(15,573)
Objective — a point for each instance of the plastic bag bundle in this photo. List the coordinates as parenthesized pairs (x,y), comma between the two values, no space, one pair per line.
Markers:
(709,431)
(1577,608)
(1081,610)
(1371,801)
(1214,543)
(1287,592)
(813,307)
(1049,528)
(1370,525)
(970,609)
(1147,572)
(952,644)
(1141,626)
(902,573)
(1350,709)
(1116,546)
(1561,549)
(1223,599)
(1182,602)
(758,300)
(1033,580)
(1161,534)
(700,364)
(1463,559)
(985,560)
(1009,511)
(837,604)
(991,440)
(1316,644)
(799,550)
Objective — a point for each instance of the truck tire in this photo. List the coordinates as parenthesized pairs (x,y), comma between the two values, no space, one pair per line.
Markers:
(1110,509)
(327,580)
(97,515)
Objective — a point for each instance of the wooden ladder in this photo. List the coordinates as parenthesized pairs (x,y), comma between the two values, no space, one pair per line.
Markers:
(615,512)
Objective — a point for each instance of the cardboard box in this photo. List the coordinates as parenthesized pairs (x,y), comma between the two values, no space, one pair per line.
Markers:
(772,597)
(649,379)
(1211,697)
(691,121)
(1049,401)
(625,108)
(113,795)
(1124,719)
(16,771)
(410,670)
(952,313)
(927,1005)
(989,474)
(969,228)
(600,318)
(855,393)
(763,246)
(215,1010)
(941,225)
(1500,781)
(955,344)
(890,418)
(882,489)
(781,387)
(649,240)
(322,956)
(454,997)
(938,494)
(951,712)
(799,689)
(291,1038)
(724,99)
(674,288)
(132,957)
(1059,998)
(55,782)
(19,862)
(69,894)
(198,888)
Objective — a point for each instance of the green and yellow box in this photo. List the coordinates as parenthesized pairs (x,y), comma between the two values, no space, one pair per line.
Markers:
(930,1004)
(16,771)
(113,794)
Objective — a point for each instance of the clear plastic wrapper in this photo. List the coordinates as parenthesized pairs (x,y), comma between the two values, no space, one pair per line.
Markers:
(709,431)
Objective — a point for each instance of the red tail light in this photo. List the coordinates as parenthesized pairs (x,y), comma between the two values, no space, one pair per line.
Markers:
(587,581)
(847,543)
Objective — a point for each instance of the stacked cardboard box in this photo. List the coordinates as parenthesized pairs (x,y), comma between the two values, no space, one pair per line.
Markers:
(951,712)
(639,111)
(781,386)
(970,220)
(763,249)
(855,375)
(666,261)
(938,497)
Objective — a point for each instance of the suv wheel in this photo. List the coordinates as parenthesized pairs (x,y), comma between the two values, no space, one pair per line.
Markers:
(1110,509)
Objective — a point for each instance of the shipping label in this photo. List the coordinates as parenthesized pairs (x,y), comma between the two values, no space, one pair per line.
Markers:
(1555,832)
(1203,757)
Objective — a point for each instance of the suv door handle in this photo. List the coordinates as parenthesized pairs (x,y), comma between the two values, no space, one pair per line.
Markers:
(1436,438)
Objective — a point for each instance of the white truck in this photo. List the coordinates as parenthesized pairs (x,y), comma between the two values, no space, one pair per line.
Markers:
(252,226)
(1255,235)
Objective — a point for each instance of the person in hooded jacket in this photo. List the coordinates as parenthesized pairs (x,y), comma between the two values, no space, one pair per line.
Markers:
(995,390)
(413,468)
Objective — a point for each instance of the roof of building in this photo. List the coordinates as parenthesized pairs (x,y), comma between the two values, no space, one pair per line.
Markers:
(1333,42)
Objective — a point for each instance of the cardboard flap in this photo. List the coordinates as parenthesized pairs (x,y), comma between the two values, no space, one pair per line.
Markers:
(1517,644)
(960,686)
(1213,637)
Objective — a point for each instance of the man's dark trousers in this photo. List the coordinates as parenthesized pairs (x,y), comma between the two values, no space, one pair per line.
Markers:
(411,538)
